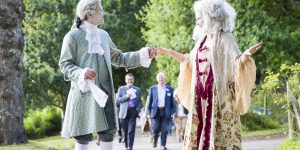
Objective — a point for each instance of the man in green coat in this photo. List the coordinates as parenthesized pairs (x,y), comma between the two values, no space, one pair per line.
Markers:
(86,55)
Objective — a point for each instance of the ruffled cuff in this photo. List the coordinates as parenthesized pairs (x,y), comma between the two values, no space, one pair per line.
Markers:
(144,57)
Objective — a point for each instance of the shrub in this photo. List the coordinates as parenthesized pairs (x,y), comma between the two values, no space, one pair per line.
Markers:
(41,123)
(252,121)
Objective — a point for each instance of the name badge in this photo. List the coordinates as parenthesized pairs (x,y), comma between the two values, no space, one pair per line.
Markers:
(168,94)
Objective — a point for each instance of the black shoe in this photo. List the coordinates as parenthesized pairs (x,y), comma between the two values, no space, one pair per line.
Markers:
(120,140)
(154,144)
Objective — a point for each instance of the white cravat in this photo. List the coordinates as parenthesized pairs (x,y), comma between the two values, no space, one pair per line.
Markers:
(93,38)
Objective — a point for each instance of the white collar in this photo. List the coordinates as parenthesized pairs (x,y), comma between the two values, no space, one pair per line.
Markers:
(93,38)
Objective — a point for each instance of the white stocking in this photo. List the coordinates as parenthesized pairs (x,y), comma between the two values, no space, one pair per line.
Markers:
(81,146)
(106,145)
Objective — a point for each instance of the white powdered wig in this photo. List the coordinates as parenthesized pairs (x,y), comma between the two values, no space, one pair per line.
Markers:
(218,15)
(87,6)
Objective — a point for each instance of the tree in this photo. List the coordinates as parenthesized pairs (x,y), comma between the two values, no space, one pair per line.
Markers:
(168,24)
(11,89)
(45,24)
(286,82)
(276,24)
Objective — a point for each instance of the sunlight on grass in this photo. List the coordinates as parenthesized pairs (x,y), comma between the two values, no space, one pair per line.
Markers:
(289,145)
(282,130)
(49,143)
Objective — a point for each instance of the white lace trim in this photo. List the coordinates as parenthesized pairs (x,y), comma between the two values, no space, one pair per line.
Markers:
(93,38)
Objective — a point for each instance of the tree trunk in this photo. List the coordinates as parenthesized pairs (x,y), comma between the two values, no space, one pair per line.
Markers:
(11,88)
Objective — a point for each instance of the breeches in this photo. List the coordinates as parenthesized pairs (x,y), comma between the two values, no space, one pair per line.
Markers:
(105,136)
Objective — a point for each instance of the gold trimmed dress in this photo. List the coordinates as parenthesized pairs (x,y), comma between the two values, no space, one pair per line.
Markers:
(216,88)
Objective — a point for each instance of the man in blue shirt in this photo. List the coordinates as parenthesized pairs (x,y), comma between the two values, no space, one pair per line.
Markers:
(161,107)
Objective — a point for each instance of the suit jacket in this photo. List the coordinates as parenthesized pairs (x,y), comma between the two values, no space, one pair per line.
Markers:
(170,106)
(123,101)
(83,115)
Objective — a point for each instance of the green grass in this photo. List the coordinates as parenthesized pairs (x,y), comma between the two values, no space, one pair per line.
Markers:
(57,143)
(289,145)
(282,130)
(49,143)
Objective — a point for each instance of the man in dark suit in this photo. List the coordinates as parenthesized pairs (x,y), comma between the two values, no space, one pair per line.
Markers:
(161,107)
(129,99)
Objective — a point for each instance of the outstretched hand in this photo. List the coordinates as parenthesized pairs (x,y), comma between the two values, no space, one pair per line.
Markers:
(246,55)
(253,49)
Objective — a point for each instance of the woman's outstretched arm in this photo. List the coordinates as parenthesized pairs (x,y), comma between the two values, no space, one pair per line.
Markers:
(178,56)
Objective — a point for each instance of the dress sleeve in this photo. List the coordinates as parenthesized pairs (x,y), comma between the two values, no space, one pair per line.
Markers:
(245,77)
(184,82)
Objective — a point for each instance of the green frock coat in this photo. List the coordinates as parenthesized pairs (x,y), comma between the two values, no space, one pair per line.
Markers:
(83,115)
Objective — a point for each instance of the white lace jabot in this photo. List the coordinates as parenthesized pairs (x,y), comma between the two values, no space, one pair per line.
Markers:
(93,38)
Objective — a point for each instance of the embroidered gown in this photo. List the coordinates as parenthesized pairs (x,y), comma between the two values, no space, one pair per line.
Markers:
(217,93)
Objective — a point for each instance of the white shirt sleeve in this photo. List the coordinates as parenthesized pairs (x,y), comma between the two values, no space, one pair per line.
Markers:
(144,57)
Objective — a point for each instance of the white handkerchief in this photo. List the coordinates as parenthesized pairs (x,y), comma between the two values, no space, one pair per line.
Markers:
(98,94)
(132,92)
(85,85)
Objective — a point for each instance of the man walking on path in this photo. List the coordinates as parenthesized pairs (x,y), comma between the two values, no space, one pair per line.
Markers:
(129,99)
(161,107)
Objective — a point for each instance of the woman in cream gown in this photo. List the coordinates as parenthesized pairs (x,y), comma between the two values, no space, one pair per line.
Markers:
(215,80)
